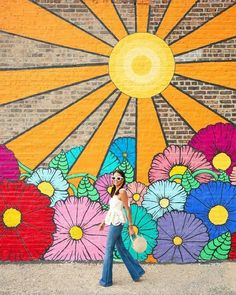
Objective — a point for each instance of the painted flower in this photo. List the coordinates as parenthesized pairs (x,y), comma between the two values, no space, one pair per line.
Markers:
(26,225)
(218,143)
(124,148)
(73,154)
(135,191)
(77,235)
(143,225)
(51,183)
(181,238)
(164,196)
(232,253)
(110,163)
(9,169)
(176,160)
(215,204)
(233,176)
(104,186)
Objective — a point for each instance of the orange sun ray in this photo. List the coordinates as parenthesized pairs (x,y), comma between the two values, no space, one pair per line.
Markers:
(219,73)
(18,84)
(34,146)
(186,107)
(150,137)
(176,10)
(105,11)
(92,157)
(142,16)
(219,28)
(24,18)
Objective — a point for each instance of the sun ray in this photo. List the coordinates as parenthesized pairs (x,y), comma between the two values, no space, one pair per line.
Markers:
(27,19)
(142,16)
(150,137)
(185,106)
(106,13)
(219,28)
(218,73)
(18,84)
(33,146)
(175,12)
(92,157)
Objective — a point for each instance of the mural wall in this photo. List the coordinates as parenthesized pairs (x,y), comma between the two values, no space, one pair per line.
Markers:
(144,86)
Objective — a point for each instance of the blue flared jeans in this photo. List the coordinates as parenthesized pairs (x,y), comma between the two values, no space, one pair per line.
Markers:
(114,239)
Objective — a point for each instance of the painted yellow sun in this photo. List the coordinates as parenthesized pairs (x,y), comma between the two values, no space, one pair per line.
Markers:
(141,65)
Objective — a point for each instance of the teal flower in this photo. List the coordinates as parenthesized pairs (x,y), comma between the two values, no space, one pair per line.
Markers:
(110,163)
(164,196)
(51,183)
(143,225)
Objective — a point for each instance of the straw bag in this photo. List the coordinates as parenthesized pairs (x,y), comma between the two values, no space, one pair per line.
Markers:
(139,244)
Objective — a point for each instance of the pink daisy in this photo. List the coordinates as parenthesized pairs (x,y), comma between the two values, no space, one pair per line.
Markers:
(176,160)
(233,176)
(9,169)
(218,144)
(77,235)
(104,186)
(135,191)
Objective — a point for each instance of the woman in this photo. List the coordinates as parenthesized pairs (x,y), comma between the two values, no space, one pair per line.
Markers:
(116,218)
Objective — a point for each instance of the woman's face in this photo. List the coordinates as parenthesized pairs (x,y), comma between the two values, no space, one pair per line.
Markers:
(117,179)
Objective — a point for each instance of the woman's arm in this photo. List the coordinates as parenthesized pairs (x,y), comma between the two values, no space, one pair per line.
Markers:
(124,199)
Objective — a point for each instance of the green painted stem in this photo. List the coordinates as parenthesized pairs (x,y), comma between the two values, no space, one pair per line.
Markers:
(176,176)
(25,175)
(81,175)
(206,171)
(25,168)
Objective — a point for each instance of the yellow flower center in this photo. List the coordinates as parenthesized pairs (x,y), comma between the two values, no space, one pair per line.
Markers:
(178,169)
(125,155)
(136,197)
(218,215)
(135,228)
(109,189)
(177,240)
(12,217)
(76,232)
(141,65)
(46,188)
(164,203)
(221,161)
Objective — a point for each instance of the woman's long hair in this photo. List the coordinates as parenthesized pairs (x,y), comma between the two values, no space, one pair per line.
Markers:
(113,190)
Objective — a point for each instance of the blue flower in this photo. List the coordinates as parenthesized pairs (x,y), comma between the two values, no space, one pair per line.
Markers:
(51,183)
(144,225)
(110,164)
(73,154)
(164,196)
(124,148)
(215,204)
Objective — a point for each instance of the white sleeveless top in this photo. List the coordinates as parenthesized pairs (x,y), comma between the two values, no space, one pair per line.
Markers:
(115,214)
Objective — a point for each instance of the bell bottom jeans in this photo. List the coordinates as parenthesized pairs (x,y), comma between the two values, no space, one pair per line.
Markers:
(114,239)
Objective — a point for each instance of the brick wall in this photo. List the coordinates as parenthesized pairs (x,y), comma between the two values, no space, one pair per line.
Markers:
(18,52)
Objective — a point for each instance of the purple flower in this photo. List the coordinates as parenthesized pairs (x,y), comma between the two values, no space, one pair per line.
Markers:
(9,169)
(104,186)
(181,237)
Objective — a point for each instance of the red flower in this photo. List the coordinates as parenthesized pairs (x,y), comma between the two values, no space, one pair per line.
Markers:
(26,222)
(232,253)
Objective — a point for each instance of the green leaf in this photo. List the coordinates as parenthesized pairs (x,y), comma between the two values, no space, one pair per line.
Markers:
(223,176)
(86,189)
(189,182)
(128,170)
(60,162)
(217,249)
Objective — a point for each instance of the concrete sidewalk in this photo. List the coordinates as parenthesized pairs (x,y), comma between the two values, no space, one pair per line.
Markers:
(82,278)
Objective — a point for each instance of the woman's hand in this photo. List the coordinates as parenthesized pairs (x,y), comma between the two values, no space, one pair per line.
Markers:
(101,226)
(131,230)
